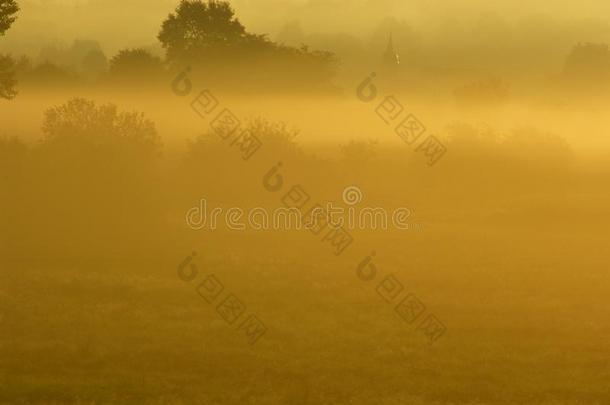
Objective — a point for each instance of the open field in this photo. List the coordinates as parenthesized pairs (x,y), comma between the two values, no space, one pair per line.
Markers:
(525,310)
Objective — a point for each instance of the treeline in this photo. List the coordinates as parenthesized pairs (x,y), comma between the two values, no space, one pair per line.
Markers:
(205,35)
(85,64)
(208,36)
(99,181)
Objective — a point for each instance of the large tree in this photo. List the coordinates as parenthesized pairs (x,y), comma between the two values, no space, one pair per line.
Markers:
(104,127)
(207,34)
(199,26)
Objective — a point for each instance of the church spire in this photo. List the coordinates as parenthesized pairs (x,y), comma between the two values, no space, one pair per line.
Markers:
(390,57)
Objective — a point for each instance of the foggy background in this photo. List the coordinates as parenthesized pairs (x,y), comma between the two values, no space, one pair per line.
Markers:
(102,155)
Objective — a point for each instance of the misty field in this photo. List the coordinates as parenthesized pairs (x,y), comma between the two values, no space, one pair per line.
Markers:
(304,202)
(526,316)
(510,256)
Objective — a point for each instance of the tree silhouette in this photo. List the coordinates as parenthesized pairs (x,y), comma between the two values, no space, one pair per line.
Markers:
(135,64)
(8,9)
(491,91)
(94,64)
(588,63)
(7,77)
(98,159)
(209,35)
(198,26)
(48,75)
(82,121)
(356,155)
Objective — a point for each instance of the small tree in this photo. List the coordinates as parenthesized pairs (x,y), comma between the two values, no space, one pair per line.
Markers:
(135,63)
(588,62)
(491,91)
(8,9)
(7,77)
(359,152)
(50,75)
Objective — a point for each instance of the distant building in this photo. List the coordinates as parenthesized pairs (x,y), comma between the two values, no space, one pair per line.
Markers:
(390,57)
